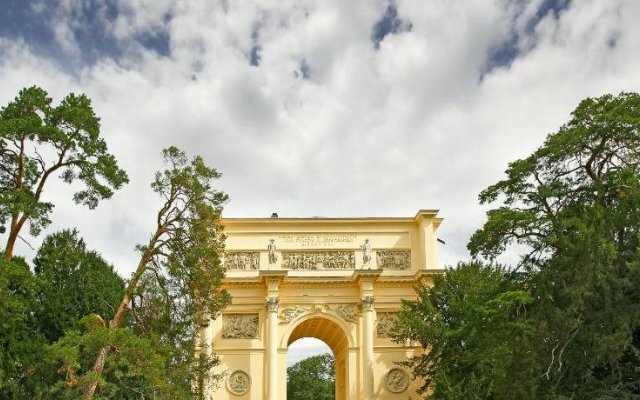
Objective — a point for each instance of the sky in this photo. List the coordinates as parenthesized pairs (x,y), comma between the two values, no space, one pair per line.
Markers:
(317,108)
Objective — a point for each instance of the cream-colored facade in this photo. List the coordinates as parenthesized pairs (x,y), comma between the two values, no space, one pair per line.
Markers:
(336,279)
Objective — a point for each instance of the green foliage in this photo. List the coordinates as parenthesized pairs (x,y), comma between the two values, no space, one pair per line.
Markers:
(21,344)
(575,204)
(470,323)
(312,379)
(171,296)
(39,140)
(136,365)
(74,282)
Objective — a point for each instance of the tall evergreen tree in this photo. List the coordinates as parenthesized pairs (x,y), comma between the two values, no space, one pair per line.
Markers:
(575,204)
(74,282)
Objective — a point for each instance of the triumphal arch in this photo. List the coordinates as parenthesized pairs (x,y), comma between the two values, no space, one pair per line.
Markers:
(340,280)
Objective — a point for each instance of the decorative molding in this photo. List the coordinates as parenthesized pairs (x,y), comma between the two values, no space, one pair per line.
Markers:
(397,380)
(290,313)
(240,326)
(272,304)
(393,259)
(313,260)
(366,303)
(241,260)
(239,383)
(386,323)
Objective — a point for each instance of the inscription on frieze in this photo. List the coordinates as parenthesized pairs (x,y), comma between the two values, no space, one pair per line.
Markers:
(393,259)
(240,326)
(318,239)
(313,260)
(241,260)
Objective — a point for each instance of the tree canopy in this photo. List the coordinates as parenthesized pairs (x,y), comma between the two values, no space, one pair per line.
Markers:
(574,207)
(73,282)
(312,379)
(171,295)
(39,141)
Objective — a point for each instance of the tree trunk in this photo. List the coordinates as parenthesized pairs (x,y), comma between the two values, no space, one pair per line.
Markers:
(11,240)
(98,366)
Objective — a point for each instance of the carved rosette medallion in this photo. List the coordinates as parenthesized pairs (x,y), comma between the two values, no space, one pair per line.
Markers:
(386,323)
(397,380)
(314,260)
(240,326)
(393,259)
(272,304)
(239,383)
(242,260)
(290,313)
(366,303)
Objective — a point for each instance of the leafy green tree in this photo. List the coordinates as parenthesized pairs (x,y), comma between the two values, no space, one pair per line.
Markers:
(74,282)
(575,205)
(21,343)
(470,323)
(38,141)
(312,379)
(171,295)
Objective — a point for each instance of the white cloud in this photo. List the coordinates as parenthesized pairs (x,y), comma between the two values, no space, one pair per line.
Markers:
(371,132)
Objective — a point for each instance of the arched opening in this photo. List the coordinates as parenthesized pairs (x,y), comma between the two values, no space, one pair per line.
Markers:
(334,337)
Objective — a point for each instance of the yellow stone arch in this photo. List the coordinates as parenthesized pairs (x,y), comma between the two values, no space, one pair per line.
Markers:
(340,280)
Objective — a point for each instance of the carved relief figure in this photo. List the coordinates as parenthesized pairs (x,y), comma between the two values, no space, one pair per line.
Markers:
(397,380)
(239,383)
(241,260)
(313,260)
(240,326)
(273,257)
(289,313)
(386,323)
(393,259)
(348,312)
(366,254)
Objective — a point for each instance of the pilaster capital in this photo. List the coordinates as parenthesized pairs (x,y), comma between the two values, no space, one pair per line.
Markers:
(366,303)
(272,304)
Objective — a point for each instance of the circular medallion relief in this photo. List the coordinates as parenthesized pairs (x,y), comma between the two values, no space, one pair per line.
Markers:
(239,383)
(397,380)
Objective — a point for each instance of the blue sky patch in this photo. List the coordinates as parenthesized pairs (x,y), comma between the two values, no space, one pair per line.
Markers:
(507,51)
(389,24)
(35,25)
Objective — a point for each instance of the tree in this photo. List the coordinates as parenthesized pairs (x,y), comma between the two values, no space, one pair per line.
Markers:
(39,141)
(21,343)
(312,379)
(171,296)
(575,205)
(74,282)
(470,323)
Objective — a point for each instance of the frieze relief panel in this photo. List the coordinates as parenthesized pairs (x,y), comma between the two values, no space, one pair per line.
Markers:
(240,326)
(241,260)
(314,260)
(386,323)
(393,259)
